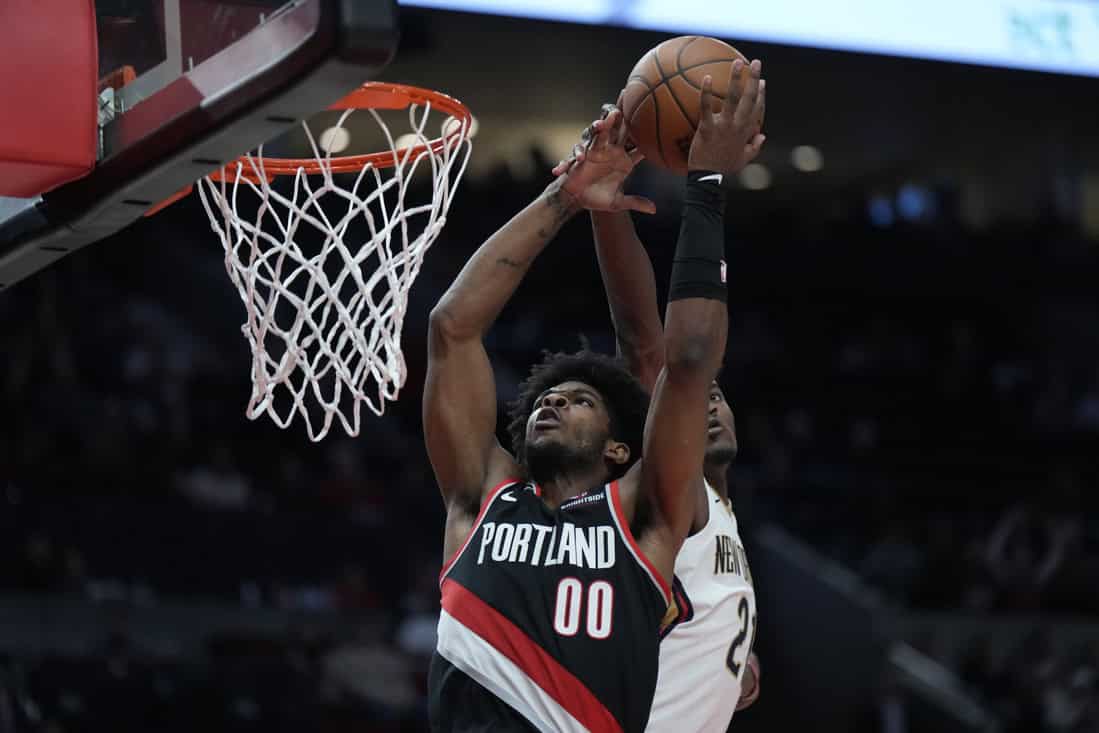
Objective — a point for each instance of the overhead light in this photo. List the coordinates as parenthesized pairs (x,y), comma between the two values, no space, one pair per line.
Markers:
(755,177)
(334,140)
(915,202)
(880,210)
(407,140)
(807,158)
(452,124)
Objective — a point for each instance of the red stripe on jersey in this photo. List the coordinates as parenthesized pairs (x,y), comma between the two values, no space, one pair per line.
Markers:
(473,530)
(624,525)
(535,662)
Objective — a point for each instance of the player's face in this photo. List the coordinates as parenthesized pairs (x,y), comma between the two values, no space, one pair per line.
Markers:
(721,446)
(572,416)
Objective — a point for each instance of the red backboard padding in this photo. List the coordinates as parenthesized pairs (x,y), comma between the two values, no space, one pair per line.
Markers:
(48,74)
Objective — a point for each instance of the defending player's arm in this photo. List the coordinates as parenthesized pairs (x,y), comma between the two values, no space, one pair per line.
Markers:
(630,284)
(631,294)
(627,273)
(696,320)
(460,396)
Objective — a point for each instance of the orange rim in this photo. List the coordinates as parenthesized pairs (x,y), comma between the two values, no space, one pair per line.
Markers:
(371,95)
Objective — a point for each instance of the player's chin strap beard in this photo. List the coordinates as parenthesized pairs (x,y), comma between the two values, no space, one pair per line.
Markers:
(550,461)
(721,457)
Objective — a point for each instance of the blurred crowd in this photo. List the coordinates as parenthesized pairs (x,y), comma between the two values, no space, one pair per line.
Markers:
(1025,559)
(1035,682)
(908,415)
(242,682)
(1038,685)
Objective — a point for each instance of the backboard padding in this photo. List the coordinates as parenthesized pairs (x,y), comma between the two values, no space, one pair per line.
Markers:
(295,63)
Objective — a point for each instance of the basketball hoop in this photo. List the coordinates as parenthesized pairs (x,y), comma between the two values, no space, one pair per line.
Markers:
(326,288)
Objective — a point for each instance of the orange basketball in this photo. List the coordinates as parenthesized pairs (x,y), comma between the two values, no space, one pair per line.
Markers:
(661,99)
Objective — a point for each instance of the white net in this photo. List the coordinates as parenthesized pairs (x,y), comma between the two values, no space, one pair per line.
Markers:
(324,262)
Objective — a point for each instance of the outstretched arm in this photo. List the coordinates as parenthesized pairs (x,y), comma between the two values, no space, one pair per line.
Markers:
(631,293)
(696,320)
(459,408)
(627,272)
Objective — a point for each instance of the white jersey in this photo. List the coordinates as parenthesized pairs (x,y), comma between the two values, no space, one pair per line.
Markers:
(704,653)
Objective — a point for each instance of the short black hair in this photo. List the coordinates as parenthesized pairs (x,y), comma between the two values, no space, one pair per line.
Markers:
(626,400)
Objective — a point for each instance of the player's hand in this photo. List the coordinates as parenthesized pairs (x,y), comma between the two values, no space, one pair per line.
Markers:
(599,166)
(749,690)
(728,140)
(580,149)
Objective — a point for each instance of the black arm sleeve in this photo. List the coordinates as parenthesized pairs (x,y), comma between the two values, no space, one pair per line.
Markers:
(698,269)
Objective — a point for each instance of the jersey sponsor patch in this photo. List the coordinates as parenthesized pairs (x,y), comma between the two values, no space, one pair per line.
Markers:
(588,498)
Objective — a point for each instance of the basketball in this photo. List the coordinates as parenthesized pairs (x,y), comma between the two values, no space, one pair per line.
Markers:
(661,98)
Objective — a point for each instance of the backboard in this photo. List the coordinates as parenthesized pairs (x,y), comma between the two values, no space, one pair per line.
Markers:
(185,86)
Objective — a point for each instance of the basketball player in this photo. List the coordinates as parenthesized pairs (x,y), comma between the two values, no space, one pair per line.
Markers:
(559,553)
(707,668)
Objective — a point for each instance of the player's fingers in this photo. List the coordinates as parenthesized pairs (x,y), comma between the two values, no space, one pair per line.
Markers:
(607,109)
(609,128)
(618,127)
(748,699)
(752,149)
(599,135)
(752,681)
(636,156)
(638,203)
(761,103)
(706,100)
(590,132)
(746,105)
(565,165)
(736,84)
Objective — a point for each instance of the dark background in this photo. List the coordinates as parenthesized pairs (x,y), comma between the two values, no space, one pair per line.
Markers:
(913,361)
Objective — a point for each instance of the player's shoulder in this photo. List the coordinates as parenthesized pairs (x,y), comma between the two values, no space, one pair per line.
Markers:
(502,471)
(722,513)
(626,491)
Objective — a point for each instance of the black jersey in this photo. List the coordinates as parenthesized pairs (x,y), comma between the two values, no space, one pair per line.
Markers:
(550,619)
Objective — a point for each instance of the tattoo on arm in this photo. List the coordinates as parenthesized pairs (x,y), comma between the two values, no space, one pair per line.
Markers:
(563,207)
(509,263)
